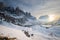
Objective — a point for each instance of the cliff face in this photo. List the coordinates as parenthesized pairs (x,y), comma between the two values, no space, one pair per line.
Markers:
(14,15)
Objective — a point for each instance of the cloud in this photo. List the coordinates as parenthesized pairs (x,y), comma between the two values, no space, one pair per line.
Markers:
(37,7)
(49,7)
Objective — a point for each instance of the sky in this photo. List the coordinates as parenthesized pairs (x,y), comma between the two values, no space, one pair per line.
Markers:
(37,7)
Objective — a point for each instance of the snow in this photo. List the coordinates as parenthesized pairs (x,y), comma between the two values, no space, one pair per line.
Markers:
(13,33)
(40,33)
(21,16)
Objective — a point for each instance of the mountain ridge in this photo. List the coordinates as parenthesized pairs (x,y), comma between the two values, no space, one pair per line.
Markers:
(14,15)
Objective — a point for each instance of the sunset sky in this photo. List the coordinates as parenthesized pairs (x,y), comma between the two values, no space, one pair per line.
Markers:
(37,7)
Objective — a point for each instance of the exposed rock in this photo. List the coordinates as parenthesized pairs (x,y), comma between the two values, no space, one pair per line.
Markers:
(26,33)
(32,34)
(14,15)
(6,38)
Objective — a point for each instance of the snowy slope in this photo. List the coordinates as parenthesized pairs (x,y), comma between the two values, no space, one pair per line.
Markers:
(13,33)
(40,33)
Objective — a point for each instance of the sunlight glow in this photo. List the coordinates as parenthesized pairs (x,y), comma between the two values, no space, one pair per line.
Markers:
(52,17)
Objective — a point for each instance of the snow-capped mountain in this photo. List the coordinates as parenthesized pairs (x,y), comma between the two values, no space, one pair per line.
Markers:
(14,15)
(16,23)
(43,19)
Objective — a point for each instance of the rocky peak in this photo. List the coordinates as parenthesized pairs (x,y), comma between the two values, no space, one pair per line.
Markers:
(15,16)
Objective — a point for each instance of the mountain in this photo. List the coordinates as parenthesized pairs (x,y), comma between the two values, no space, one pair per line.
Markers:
(44,20)
(14,15)
(44,17)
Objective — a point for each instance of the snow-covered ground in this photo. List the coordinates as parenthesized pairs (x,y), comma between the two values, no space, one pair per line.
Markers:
(40,33)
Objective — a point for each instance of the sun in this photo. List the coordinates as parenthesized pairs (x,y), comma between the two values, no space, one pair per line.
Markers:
(52,17)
